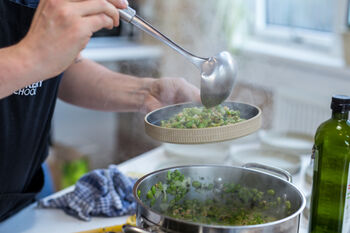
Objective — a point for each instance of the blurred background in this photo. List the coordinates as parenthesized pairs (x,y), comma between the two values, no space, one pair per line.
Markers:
(292,58)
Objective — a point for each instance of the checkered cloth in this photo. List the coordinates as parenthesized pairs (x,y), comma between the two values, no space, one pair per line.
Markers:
(102,192)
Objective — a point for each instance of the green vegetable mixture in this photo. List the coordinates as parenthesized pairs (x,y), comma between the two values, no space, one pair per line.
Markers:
(234,204)
(201,117)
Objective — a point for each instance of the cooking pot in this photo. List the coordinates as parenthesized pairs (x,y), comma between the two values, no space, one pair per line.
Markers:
(150,219)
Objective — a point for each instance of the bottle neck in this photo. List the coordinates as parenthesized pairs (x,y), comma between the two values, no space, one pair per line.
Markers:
(340,115)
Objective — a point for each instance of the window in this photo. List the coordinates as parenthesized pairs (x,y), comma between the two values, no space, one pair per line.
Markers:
(305,14)
(304,22)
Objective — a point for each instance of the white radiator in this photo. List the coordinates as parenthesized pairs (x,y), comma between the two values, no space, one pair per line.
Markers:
(299,112)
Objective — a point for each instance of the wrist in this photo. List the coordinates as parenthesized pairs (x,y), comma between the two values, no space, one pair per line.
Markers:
(29,60)
(17,69)
(147,84)
(22,56)
(34,58)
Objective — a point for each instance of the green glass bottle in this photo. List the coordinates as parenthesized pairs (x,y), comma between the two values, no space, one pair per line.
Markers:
(330,201)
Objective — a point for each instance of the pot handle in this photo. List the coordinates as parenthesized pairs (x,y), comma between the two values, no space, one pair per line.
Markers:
(276,170)
(133,229)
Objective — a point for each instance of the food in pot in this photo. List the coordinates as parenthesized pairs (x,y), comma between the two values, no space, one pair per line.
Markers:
(231,204)
(202,117)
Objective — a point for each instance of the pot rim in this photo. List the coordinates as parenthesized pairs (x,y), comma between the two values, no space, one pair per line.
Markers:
(295,214)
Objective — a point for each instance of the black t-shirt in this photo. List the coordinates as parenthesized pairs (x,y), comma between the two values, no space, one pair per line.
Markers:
(25,119)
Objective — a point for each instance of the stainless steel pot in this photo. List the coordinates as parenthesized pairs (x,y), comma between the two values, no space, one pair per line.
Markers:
(150,220)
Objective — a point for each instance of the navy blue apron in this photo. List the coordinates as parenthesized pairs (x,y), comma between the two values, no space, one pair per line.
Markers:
(25,119)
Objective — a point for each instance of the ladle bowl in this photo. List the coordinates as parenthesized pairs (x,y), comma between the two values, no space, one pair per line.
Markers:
(218,73)
(217,79)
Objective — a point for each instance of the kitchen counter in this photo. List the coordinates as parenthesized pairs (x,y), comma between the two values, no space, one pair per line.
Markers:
(35,220)
(104,49)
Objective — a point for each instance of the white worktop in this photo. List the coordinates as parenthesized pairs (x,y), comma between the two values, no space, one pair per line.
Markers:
(34,220)
(104,49)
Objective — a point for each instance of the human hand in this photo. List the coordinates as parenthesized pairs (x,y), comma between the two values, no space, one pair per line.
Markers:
(61,29)
(166,91)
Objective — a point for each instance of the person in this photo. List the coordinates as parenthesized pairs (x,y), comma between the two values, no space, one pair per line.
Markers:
(40,61)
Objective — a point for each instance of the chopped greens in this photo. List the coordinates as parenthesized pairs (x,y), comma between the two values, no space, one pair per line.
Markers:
(201,117)
(139,193)
(233,204)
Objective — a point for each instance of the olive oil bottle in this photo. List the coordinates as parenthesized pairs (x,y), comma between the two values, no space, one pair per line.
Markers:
(330,201)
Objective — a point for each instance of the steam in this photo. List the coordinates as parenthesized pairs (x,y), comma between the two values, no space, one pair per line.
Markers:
(202,27)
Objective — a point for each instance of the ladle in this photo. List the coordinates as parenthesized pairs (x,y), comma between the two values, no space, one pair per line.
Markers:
(218,73)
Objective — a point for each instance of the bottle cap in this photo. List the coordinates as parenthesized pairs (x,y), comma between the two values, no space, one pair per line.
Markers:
(340,103)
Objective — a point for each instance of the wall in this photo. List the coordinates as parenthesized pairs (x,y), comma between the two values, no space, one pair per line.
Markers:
(302,90)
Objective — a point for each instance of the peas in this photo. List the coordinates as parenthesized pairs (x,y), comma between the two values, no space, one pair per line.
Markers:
(235,204)
(153,189)
(279,200)
(169,175)
(288,204)
(150,195)
(271,192)
(210,186)
(196,184)
(139,193)
(201,117)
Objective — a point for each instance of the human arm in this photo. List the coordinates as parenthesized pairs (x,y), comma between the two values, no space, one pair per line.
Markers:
(90,85)
(17,69)
(59,31)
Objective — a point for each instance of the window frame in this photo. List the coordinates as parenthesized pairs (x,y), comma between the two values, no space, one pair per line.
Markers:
(316,40)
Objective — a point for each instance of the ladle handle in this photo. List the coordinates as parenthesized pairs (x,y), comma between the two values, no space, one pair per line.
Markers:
(276,170)
(129,15)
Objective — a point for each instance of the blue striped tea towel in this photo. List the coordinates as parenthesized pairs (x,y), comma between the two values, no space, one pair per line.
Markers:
(102,192)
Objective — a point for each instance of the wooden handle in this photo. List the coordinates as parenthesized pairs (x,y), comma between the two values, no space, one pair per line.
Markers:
(116,228)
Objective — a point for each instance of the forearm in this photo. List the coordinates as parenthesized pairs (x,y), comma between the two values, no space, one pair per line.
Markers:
(17,69)
(59,30)
(90,85)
